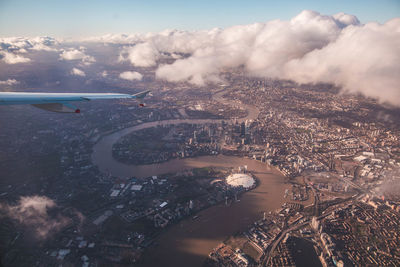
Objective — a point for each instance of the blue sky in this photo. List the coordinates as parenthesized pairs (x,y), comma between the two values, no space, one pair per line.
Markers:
(73,18)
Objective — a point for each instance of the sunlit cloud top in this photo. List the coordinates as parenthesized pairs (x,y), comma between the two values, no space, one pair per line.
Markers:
(309,47)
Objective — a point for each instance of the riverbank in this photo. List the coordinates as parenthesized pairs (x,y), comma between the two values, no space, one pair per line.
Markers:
(189,242)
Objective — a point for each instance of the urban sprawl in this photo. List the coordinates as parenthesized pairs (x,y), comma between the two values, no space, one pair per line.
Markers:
(339,153)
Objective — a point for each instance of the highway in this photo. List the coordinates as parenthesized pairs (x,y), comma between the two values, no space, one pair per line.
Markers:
(278,239)
(268,256)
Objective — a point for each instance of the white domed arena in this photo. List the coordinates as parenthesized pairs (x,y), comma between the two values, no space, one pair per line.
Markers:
(240,179)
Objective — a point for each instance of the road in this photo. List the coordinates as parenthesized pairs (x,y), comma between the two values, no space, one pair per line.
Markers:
(279,238)
(295,225)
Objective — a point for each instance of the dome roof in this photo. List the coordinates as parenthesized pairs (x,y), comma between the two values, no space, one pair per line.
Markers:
(240,179)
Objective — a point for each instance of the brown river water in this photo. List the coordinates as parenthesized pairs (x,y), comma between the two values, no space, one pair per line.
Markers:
(189,242)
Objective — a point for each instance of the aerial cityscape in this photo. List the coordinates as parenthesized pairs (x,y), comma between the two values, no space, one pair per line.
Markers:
(272,143)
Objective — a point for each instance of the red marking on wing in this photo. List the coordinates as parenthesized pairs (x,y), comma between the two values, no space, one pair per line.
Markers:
(77,110)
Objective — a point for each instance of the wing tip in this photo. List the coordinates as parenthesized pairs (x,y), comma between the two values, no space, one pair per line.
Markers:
(141,94)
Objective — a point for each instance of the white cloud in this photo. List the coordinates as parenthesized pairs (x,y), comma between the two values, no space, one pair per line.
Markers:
(363,59)
(346,19)
(262,48)
(131,75)
(32,212)
(104,74)
(23,44)
(141,55)
(116,39)
(72,55)
(44,43)
(11,58)
(309,48)
(12,47)
(9,82)
(77,72)
(75,54)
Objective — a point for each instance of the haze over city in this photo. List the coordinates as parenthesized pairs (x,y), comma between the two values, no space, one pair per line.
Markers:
(270,138)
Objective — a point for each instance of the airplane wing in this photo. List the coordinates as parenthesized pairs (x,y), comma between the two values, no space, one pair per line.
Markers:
(60,102)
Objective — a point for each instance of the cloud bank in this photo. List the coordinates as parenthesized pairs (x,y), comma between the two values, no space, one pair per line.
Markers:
(11,48)
(33,212)
(309,48)
(11,58)
(364,59)
(9,82)
(23,44)
(131,75)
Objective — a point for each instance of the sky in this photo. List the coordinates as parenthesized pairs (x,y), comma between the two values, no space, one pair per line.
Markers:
(338,42)
(82,18)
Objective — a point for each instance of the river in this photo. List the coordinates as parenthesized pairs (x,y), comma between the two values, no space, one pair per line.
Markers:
(189,242)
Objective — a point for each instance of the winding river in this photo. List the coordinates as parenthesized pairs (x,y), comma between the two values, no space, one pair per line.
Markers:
(189,242)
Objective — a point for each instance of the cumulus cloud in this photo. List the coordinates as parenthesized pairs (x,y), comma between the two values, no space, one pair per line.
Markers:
(363,59)
(9,82)
(33,212)
(22,44)
(262,48)
(12,47)
(75,54)
(77,72)
(131,75)
(115,39)
(11,58)
(141,55)
(309,48)
(345,19)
